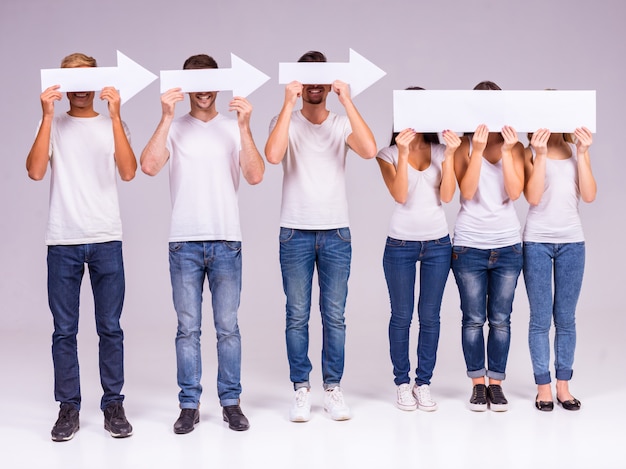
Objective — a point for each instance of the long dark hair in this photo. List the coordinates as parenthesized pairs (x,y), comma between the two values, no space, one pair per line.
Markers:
(428,137)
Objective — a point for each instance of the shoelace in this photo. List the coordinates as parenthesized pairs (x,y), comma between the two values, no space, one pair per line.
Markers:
(336,396)
(423,393)
(405,393)
(496,392)
(301,397)
(480,392)
(64,415)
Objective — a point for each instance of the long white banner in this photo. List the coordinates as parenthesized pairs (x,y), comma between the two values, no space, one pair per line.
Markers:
(464,110)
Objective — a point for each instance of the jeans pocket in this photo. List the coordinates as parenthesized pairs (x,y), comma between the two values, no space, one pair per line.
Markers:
(233,245)
(517,248)
(394,243)
(176,246)
(445,241)
(285,234)
(344,234)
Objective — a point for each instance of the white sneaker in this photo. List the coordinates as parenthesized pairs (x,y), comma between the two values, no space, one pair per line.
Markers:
(301,409)
(335,405)
(405,401)
(422,396)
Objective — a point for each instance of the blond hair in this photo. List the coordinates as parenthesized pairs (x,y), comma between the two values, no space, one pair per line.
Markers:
(78,60)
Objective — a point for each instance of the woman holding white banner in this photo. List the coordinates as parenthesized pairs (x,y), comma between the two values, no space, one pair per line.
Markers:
(558,175)
(419,173)
(487,253)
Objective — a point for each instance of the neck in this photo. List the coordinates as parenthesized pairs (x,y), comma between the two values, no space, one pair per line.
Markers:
(315,113)
(82,112)
(556,139)
(205,115)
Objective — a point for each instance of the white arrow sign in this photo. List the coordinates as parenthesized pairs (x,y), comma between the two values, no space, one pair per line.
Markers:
(464,110)
(128,77)
(359,73)
(242,78)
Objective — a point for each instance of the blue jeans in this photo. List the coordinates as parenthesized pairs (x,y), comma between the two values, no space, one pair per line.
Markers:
(66,267)
(565,263)
(486,279)
(300,252)
(220,262)
(399,263)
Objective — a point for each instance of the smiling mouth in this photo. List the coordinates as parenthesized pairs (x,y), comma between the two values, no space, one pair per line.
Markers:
(82,94)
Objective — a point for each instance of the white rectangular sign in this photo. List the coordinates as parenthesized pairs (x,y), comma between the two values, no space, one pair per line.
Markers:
(464,110)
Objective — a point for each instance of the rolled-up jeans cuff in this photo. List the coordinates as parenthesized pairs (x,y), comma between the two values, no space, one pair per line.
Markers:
(477,373)
(305,384)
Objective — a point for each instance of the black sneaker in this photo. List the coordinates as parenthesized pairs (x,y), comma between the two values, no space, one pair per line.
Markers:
(186,421)
(478,401)
(497,401)
(115,421)
(235,418)
(67,424)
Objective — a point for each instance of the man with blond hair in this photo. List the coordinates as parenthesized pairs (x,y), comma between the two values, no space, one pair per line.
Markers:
(85,151)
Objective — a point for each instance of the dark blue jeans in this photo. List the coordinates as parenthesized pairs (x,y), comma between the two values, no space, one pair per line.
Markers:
(66,266)
(300,252)
(486,279)
(399,263)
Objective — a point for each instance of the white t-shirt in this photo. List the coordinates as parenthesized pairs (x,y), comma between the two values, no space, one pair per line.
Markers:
(556,218)
(314,188)
(488,220)
(204,179)
(84,205)
(421,217)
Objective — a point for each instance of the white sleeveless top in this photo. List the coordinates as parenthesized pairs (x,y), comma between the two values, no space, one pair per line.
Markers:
(488,220)
(556,218)
(421,217)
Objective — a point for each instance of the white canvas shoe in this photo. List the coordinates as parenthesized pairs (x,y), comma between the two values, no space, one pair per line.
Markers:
(422,396)
(335,405)
(301,409)
(405,400)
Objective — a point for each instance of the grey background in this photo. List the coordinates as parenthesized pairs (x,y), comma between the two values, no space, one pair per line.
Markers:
(447,44)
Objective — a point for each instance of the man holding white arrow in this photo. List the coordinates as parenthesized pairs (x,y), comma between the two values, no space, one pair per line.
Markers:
(85,151)
(207,152)
(312,144)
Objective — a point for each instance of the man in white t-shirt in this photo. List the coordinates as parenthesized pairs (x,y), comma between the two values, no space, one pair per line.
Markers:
(207,152)
(86,151)
(312,144)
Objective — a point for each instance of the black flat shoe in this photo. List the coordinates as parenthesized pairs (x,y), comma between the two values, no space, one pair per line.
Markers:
(572,404)
(234,417)
(544,406)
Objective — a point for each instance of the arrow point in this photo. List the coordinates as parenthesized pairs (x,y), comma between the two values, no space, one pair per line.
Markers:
(246,78)
(364,73)
(133,77)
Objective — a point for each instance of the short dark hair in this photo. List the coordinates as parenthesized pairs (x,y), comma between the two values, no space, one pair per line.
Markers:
(313,56)
(487,85)
(199,61)
(429,137)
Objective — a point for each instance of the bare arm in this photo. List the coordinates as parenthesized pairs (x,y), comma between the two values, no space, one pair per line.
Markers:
(124,155)
(361,140)
(586,182)
(512,163)
(39,155)
(276,145)
(448,181)
(397,178)
(535,171)
(466,166)
(155,154)
(250,159)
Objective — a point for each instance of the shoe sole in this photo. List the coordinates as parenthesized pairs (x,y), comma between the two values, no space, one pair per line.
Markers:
(478,407)
(431,408)
(498,407)
(66,438)
(338,418)
(117,435)
(407,408)
(299,419)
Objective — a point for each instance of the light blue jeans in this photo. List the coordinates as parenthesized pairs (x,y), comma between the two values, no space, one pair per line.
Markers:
(486,279)
(400,266)
(190,262)
(300,252)
(543,263)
